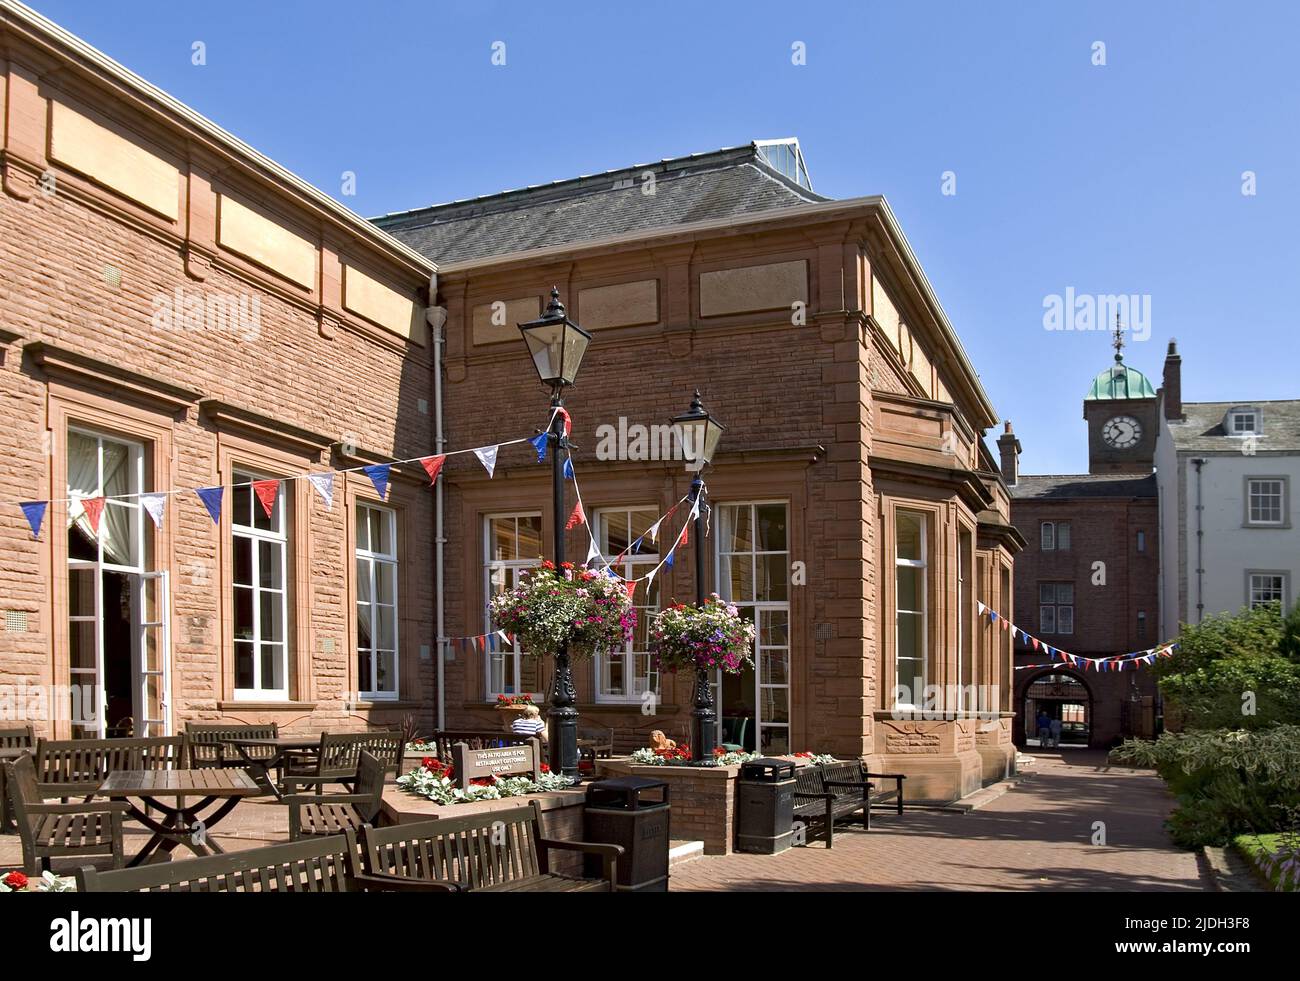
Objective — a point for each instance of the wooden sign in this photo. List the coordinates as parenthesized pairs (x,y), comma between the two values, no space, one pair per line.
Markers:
(498,761)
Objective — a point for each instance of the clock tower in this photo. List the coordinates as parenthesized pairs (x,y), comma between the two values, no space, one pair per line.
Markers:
(1120,410)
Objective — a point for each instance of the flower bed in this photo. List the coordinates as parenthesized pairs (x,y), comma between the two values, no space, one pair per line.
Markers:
(434,780)
(1276,857)
(48,882)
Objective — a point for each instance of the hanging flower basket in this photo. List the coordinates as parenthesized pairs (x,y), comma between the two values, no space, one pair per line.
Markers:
(712,636)
(589,611)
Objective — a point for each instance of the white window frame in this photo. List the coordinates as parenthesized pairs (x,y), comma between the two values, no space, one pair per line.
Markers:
(630,566)
(1282,496)
(278,537)
(377,563)
(1252,428)
(924,612)
(511,569)
(1283,587)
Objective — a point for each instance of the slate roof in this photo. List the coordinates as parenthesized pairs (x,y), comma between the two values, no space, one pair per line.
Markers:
(1083,485)
(701,187)
(1202,431)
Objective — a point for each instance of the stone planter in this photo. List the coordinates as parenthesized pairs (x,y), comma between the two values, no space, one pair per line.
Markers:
(702,800)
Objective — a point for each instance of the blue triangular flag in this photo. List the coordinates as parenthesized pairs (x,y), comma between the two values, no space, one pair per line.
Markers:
(635,546)
(378,474)
(539,444)
(669,561)
(211,497)
(568,468)
(35,511)
(993,617)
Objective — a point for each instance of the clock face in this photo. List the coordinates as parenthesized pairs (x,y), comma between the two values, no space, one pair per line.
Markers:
(1121,432)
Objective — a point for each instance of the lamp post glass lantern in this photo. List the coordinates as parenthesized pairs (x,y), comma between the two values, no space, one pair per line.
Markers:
(699,434)
(556,344)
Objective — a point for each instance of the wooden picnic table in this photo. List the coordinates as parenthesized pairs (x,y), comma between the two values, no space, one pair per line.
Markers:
(282,746)
(181,823)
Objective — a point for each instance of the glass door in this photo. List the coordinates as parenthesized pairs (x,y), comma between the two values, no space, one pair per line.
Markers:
(153,656)
(86,649)
(753,566)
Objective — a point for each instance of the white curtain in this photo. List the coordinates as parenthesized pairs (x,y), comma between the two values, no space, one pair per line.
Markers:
(83,481)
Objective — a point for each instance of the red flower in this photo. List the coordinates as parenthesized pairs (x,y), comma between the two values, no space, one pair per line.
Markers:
(16,880)
(546,768)
(428,762)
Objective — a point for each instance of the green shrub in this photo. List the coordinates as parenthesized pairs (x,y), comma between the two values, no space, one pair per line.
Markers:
(1233,671)
(1226,782)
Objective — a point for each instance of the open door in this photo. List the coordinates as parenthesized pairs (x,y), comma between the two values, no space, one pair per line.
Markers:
(153,656)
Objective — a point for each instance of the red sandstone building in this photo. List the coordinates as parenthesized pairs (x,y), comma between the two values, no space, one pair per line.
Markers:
(857,514)
(1088,581)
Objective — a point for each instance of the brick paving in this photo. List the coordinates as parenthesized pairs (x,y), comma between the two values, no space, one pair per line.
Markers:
(1035,837)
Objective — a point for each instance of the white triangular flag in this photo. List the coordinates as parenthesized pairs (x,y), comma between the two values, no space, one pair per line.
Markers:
(653,531)
(324,484)
(487,455)
(592,552)
(650,577)
(155,505)
(981,606)
(1014,630)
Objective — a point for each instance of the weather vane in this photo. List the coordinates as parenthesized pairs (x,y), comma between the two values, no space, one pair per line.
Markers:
(1119,339)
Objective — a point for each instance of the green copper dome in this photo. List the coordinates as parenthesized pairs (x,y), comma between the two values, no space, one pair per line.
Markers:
(1120,382)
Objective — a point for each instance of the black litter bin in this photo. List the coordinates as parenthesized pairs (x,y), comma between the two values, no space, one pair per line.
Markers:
(765,809)
(632,812)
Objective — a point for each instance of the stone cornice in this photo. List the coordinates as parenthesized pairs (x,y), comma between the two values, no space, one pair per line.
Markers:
(86,371)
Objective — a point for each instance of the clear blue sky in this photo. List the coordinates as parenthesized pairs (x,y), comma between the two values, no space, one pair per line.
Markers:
(1117,179)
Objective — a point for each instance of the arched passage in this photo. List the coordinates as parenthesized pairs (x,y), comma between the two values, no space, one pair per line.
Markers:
(1059,695)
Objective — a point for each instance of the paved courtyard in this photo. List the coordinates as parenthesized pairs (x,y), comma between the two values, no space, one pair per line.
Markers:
(1036,836)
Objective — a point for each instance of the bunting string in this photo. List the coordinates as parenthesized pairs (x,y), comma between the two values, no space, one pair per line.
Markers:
(1112,662)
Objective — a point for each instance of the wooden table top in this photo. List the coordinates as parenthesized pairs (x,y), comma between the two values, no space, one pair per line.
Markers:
(279,742)
(205,782)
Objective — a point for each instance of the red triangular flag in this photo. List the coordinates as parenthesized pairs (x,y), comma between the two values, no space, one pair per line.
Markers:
(630,586)
(686,534)
(94,507)
(267,491)
(432,464)
(576,518)
(1034,641)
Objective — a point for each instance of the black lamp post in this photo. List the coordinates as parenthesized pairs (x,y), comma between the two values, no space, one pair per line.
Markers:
(556,345)
(700,433)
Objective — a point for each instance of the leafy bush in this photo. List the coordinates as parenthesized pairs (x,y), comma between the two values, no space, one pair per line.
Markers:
(1232,671)
(1226,782)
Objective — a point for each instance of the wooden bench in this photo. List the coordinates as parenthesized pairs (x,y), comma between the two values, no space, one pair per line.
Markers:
(840,790)
(60,830)
(335,760)
(497,851)
(313,865)
(207,743)
(76,767)
(829,791)
(13,740)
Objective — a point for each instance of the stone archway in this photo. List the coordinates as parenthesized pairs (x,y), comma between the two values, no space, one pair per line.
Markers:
(1063,695)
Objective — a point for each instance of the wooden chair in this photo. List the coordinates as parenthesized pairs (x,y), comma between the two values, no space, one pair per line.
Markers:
(14,738)
(315,865)
(207,746)
(335,759)
(76,767)
(58,830)
(313,815)
(498,851)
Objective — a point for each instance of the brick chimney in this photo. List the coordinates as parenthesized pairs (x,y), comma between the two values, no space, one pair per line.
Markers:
(1009,447)
(1172,387)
